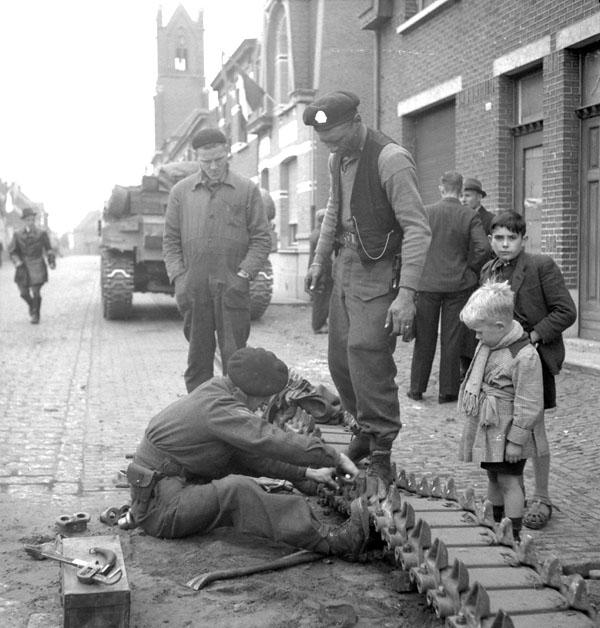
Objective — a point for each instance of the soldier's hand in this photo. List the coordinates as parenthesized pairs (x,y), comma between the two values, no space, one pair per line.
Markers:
(323,475)
(401,314)
(347,466)
(313,276)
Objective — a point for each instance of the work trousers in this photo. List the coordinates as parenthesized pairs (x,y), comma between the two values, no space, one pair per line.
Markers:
(180,509)
(361,348)
(222,310)
(429,307)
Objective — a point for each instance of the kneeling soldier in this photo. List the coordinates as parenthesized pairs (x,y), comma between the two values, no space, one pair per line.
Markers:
(194,469)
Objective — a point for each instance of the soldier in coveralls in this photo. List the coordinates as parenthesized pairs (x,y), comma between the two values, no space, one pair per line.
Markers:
(194,469)
(374,211)
(28,249)
(216,240)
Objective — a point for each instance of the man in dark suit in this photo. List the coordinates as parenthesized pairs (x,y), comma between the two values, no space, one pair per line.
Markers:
(545,309)
(458,250)
(472,195)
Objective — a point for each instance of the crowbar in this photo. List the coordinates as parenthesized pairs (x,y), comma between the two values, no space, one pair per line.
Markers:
(291,560)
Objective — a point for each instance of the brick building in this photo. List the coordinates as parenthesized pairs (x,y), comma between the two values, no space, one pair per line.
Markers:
(506,91)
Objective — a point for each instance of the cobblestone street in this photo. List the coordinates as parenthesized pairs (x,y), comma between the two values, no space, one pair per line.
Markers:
(77,392)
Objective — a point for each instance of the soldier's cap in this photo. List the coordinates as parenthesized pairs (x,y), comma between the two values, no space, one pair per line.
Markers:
(27,211)
(257,372)
(475,185)
(331,110)
(206,137)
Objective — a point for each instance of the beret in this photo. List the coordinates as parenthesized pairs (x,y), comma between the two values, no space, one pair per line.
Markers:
(475,185)
(331,110)
(208,136)
(27,211)
(257,372)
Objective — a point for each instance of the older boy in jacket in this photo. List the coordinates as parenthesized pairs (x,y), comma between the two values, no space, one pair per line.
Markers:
(545,309)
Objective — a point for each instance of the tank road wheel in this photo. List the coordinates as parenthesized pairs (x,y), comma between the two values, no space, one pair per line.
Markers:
(261,291)
(116,284)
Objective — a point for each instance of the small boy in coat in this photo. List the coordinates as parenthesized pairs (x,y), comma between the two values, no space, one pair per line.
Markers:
(545,309)
(502,399)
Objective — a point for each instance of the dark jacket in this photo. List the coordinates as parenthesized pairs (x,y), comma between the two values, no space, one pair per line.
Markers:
(31,248)
(542,303)
(486,218)
(459,248)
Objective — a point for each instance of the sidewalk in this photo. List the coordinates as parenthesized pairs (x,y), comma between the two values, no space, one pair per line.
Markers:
(583,354)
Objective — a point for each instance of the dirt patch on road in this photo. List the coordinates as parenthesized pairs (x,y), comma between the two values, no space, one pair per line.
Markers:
(328,592)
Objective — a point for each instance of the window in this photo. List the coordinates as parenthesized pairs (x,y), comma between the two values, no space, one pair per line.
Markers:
(423,4)
(529,94)
(590,64)
(282,74)
(180,61)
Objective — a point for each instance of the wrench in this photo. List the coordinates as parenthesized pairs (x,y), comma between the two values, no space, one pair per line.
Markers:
(87,572)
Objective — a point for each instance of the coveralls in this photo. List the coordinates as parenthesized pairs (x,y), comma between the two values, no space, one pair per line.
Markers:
(202,443)
(361,348)
(212,231)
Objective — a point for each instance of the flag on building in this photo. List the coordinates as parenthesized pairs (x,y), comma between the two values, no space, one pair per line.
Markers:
(253,92)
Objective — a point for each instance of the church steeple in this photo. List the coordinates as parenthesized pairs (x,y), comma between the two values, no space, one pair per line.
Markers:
(180,85)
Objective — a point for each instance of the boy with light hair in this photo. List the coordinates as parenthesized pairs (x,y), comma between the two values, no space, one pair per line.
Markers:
(502,400)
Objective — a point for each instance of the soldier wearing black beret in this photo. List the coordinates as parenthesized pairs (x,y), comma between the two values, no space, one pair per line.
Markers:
(194,469)
(374,211)
(216,239)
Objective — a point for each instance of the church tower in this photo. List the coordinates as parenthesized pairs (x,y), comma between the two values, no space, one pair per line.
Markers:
(180,86)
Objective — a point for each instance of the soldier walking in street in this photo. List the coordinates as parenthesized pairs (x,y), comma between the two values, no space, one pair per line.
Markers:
(216,240)
(29,249)
(374,210)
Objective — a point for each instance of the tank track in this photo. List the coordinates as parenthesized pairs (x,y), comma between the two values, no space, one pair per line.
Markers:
(116,276)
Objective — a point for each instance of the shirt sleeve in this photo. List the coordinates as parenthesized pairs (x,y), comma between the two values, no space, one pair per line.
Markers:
(324,247)
(529,395)
(399,180)
(172,246)
(259,245)
(237,426)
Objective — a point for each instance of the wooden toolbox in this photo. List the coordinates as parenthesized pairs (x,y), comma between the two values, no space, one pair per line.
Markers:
(93,605)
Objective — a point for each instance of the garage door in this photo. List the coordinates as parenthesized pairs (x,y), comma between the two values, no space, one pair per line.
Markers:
(434,151)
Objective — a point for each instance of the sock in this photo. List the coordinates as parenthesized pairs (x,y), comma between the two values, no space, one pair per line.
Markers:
(498,512)
(517,524)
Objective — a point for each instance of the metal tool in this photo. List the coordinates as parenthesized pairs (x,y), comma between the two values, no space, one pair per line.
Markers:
(87,572)
(291,560)
(76,522)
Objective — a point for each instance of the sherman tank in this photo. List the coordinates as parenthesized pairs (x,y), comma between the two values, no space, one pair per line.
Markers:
(131,234)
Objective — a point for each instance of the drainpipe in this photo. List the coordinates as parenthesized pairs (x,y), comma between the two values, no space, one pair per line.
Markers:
(376,81)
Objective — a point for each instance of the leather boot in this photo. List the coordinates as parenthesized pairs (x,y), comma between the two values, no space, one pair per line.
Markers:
(348,540)
(359,447)
(29,302)
(36,306)
(381,466)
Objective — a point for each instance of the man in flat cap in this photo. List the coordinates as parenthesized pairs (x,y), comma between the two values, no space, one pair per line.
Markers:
(216,239)
(193,470)
(29,249)
(374,211)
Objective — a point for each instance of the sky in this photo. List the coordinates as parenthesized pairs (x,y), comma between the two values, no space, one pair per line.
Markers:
(76,98)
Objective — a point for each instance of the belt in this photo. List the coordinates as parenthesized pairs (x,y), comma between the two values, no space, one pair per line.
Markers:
(349,240)
(150,456)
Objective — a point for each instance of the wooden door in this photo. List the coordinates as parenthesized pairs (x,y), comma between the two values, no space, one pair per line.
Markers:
(589,290)
(528,186)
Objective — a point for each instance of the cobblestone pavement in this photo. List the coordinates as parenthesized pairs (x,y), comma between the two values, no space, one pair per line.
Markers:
(77,392)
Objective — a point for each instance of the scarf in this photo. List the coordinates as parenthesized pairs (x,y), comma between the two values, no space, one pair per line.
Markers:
(471,394)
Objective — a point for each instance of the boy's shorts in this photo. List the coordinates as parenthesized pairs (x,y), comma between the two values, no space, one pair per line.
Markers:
(504,468)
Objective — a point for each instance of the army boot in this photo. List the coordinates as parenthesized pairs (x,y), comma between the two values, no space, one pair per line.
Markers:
(36,306)
(348,540)
(359,447)
(381,466)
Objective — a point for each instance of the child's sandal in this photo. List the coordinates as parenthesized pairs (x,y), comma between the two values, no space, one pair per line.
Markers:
(538,514)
